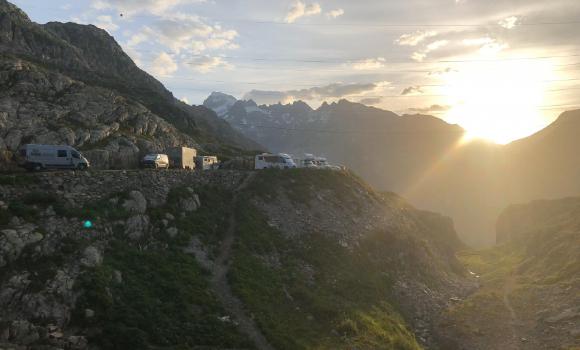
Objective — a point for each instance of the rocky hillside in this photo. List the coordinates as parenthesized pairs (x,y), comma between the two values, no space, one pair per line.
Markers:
(421,157)
(529,296)
(70,83)
(284,260)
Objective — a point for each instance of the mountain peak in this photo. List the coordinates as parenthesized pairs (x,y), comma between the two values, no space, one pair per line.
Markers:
(13,11)
(220,103)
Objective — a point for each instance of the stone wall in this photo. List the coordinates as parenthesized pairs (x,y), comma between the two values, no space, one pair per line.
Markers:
(80,187)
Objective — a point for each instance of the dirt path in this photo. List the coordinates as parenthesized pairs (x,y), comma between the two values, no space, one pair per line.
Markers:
(509,286)
(219,280)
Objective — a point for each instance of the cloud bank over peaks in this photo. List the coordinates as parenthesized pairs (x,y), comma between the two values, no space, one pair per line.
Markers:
(318,93)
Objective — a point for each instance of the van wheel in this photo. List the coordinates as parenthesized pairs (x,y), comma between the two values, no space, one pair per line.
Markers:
(82,167)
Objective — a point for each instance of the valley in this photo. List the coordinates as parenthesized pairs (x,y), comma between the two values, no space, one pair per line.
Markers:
(422,240)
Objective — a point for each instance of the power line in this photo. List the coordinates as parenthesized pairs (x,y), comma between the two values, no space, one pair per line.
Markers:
(362,60)
(349,84)
(336,23)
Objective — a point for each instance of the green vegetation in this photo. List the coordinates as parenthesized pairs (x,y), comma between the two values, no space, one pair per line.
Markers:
(312,293)
(208,223)
(160,302)
(18,180)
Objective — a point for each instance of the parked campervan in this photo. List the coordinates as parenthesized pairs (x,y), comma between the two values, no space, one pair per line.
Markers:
(39,157)
(182,157)
(278,161)
(206,162)
(155,160)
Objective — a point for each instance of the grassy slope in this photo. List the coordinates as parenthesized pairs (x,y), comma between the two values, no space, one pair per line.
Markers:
(313,293)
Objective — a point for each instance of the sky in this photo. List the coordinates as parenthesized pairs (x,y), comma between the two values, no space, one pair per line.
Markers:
(500,69)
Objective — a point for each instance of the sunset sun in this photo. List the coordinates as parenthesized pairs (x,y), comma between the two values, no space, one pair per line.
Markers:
(499,101)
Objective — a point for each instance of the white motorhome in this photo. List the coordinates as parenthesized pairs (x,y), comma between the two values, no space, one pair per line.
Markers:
(206,162)
(311,161)
(276,161)
(39,157)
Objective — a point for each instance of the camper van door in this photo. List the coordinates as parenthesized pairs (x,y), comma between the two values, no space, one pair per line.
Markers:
(63,158)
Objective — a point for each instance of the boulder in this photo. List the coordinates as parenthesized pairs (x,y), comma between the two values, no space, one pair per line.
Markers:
(190,204)
(136,204)
(136,226)
(92,257)
(172,232)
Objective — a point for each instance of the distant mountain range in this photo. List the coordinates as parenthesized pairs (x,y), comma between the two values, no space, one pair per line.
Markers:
(420,156)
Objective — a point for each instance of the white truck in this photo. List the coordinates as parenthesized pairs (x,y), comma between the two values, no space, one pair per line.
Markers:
(34,157)
(276,161)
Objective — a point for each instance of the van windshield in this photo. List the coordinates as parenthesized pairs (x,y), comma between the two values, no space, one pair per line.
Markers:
(75,154)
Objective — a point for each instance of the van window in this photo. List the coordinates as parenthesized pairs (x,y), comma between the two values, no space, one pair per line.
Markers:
(62,153)
(75,154)
(260,158)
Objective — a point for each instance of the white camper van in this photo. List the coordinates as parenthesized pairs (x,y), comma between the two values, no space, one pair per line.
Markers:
(40,157)
(206,162)
(277,161)
(156,161)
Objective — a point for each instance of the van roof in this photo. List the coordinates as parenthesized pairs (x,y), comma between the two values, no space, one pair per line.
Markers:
(52,146)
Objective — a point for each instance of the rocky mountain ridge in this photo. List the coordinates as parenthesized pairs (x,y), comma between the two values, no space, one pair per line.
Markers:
(70,83)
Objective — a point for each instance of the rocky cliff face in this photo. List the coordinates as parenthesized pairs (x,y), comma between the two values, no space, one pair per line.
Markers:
(42,106)
(221,259)
(73,84)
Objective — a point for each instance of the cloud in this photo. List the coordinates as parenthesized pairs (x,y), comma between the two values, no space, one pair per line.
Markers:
(300,9)
(443,71)
(487,45)
(129,7)
(184,100)
(188,33)
(419,56)
(369,64)
(106,23)
(431,109)
(412,90)
(331,91)
(371,101)
(509,22)
(335,13)
(163,65)
(413,39)
(206,64)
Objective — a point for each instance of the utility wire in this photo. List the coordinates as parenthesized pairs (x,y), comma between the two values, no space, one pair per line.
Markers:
(123,16)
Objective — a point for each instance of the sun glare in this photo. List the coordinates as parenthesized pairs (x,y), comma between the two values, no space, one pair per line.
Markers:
(499,101)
